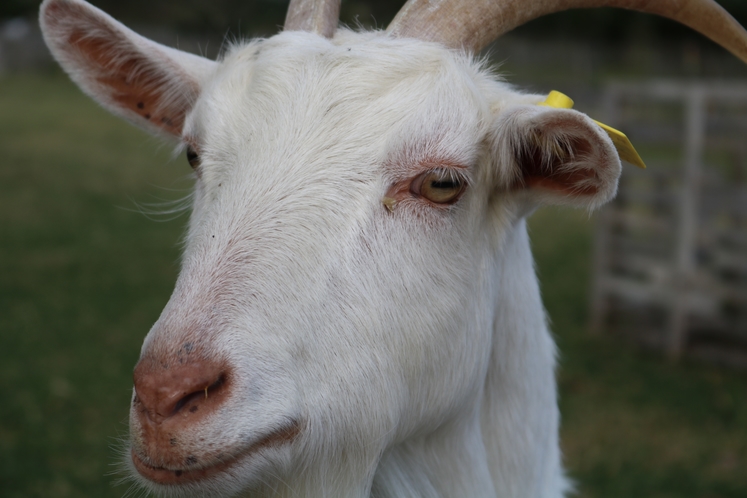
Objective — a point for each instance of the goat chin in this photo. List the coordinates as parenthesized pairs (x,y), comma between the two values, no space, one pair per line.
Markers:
(357,312)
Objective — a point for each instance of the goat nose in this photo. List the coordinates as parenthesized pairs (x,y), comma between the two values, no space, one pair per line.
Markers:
(163,392)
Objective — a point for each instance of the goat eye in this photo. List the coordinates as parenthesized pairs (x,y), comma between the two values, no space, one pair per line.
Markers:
(193,157)
(439,187)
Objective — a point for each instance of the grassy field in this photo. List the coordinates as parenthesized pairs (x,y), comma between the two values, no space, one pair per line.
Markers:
(83,275)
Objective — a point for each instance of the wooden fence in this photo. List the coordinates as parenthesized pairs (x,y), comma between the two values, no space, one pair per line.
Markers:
(670,253)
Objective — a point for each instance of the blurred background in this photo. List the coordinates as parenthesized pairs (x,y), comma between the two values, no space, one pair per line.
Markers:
(647,299)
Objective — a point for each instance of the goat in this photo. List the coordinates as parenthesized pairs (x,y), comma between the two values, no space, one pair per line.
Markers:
(357,312)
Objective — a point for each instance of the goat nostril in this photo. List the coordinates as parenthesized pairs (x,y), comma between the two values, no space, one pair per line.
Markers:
(161,392)
(200,396)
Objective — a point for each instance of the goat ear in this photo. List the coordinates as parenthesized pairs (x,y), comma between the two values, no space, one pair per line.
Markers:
(149,84)
(556,156)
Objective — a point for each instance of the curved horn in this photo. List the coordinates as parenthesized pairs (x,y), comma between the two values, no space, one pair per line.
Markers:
(473,24)
(317,16)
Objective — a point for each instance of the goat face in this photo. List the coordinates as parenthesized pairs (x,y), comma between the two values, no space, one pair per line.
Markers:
(331,326)
(356,284)
(327,324)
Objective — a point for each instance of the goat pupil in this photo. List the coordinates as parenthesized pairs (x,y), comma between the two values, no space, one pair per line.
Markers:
(444,184)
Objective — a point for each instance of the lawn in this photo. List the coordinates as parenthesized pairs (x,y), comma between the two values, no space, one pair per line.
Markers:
(84,273)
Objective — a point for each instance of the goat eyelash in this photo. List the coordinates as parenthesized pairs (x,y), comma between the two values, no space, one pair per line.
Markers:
(456,175)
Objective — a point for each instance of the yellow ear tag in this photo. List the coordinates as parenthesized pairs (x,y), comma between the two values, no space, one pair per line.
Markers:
(621,142)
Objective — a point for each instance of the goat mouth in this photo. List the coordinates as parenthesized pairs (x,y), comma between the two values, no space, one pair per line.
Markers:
(176,476)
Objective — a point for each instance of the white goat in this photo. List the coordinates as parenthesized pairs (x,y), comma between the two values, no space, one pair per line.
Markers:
(357,312)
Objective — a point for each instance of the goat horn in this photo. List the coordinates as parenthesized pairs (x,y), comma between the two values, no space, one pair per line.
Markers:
(317,16)
(473,24)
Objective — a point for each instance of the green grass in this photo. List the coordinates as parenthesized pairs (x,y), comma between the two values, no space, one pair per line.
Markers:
(633,423)
(83,276)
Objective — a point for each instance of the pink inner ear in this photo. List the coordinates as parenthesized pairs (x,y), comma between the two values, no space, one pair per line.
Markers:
(559,171)
(132,81)
(130,77)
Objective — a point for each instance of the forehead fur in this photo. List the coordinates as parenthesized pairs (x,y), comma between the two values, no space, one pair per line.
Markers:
(325,91)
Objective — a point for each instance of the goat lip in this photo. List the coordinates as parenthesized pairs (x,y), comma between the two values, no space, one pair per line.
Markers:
(162,475)
(169,476)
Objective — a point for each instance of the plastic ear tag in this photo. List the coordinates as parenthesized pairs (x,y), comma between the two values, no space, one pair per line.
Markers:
(621,142)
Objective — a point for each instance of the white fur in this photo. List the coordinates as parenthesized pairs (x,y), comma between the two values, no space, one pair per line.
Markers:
(412,345)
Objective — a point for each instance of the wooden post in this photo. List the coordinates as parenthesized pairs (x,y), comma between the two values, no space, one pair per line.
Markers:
(685,264)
